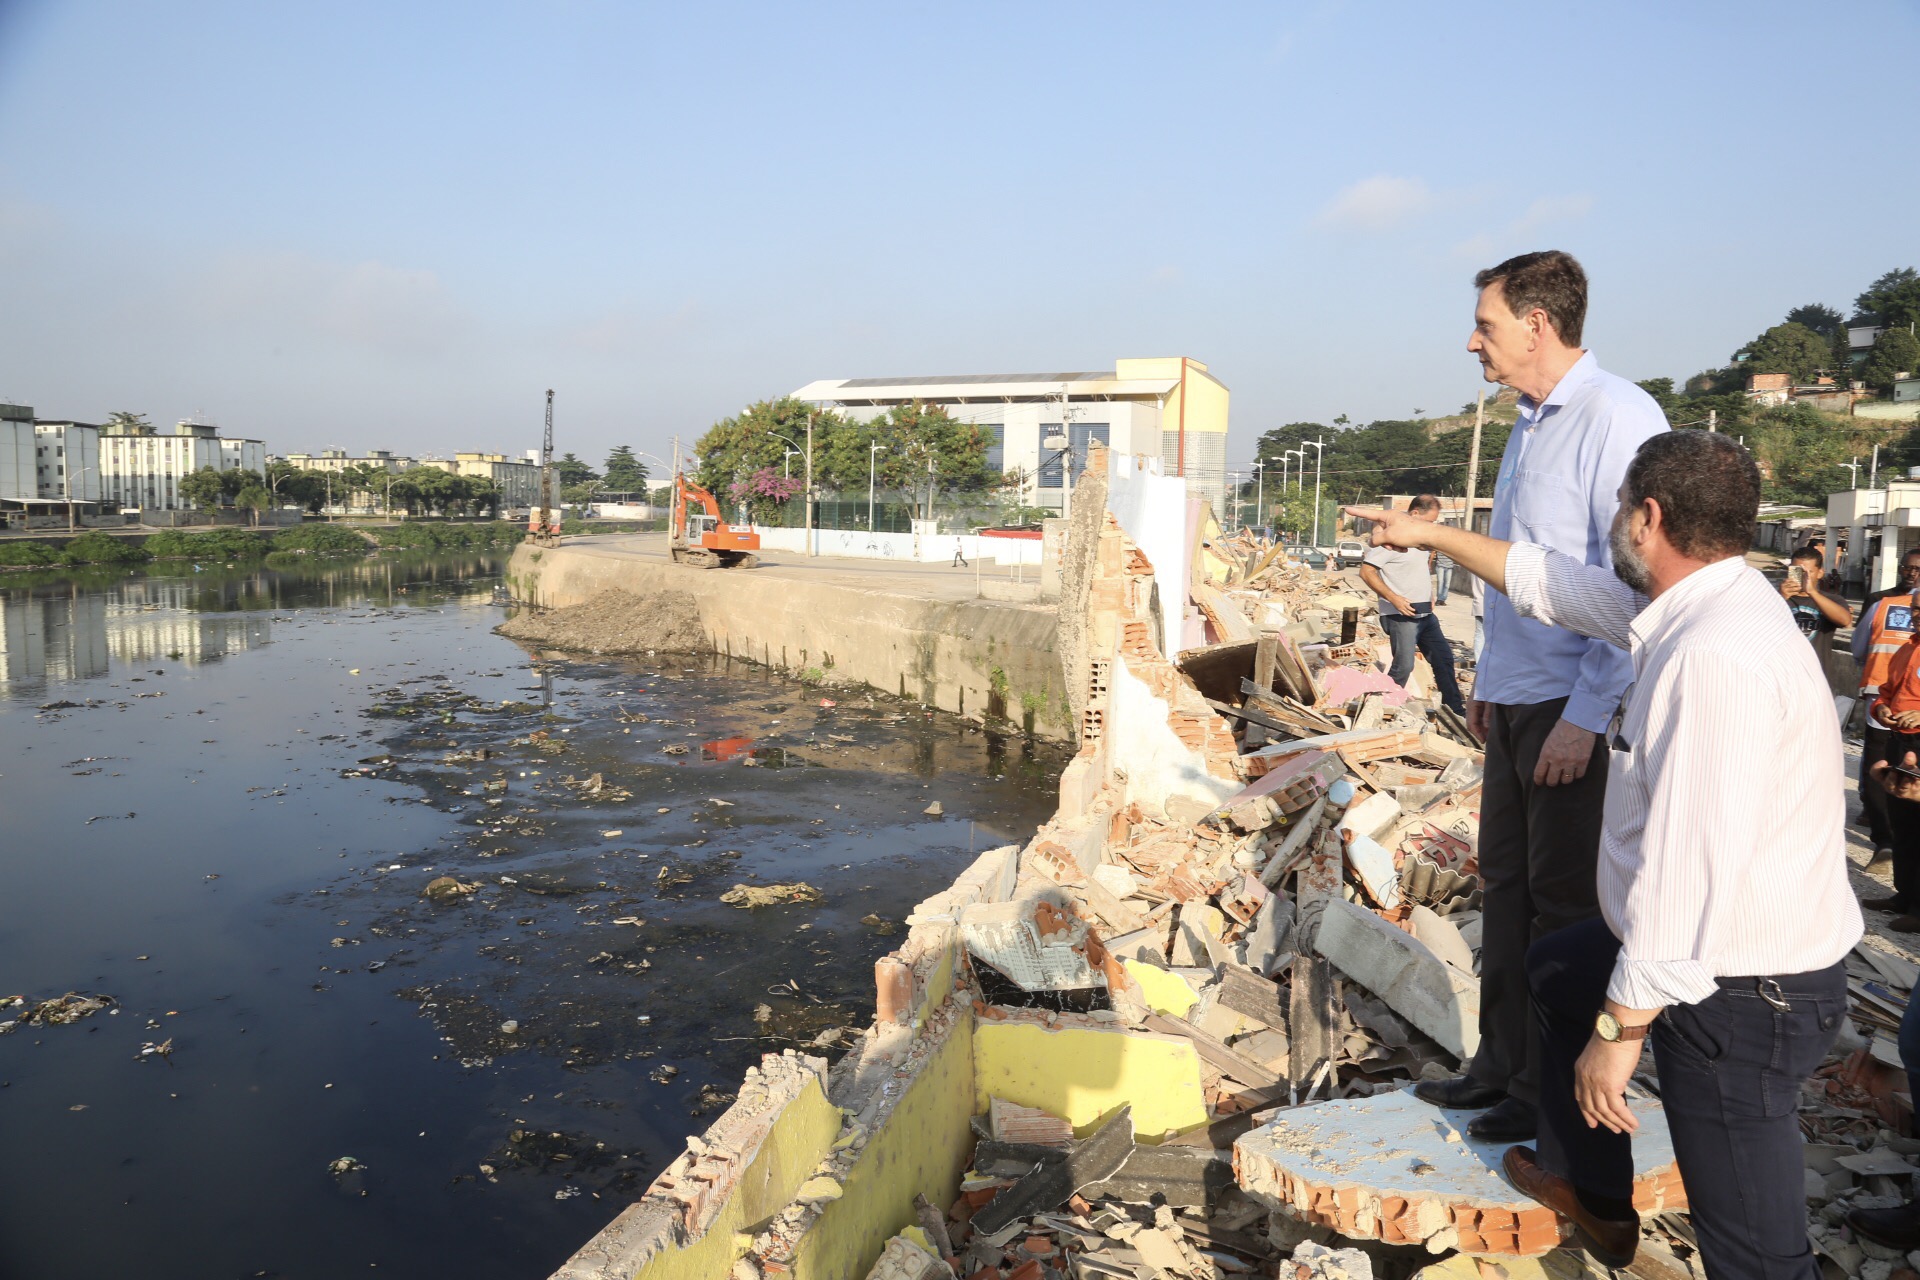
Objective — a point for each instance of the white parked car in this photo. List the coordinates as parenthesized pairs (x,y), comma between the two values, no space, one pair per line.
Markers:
(1351,553)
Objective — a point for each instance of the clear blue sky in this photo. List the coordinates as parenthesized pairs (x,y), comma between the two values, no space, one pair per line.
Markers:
(395,225)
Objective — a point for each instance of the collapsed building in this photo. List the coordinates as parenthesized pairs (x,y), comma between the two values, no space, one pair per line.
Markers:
(1174,1034)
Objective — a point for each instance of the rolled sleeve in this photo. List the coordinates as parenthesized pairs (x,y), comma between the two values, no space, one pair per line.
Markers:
(1655,984)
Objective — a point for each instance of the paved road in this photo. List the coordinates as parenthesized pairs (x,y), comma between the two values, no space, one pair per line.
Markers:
(931,581)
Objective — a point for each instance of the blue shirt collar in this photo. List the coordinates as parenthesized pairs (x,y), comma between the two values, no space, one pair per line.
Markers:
(1583,371)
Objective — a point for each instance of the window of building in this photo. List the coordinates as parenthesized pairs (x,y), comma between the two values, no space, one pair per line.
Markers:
(1078,438)
(996,446)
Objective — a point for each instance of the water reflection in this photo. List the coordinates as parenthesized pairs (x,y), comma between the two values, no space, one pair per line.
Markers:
(68,627)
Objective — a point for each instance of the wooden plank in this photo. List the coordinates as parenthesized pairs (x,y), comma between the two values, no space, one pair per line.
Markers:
(1253,718)
(1265,652)
(1215,1050)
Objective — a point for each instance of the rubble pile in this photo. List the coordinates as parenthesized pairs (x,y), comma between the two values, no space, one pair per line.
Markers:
(1184,1018)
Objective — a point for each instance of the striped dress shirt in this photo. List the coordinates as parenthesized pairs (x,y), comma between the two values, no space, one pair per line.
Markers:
(1723,852)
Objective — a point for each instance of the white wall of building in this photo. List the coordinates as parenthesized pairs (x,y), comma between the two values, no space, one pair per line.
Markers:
(67,461)
(18,481)
(145,471)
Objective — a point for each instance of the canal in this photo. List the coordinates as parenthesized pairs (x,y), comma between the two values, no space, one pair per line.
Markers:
(223,796)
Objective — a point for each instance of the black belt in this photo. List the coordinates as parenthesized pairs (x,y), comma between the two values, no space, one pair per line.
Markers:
(1778,989)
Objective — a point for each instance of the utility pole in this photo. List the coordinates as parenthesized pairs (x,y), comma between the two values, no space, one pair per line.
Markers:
(1713,418)
(1260,491)
(1285,454)
(1873,476)
(810,547)
(1473,457)
(1233,512)
(543,531)
(873,450)
(1319,455)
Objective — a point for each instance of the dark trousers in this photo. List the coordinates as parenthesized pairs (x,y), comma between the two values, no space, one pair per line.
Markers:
(1873,798)
(1539,849)
(1421,633)
(1730,1073)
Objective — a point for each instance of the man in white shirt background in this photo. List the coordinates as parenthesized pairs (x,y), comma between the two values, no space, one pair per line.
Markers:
(1722,879)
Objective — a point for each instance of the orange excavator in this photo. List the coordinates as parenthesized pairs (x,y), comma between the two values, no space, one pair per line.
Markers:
(701,538)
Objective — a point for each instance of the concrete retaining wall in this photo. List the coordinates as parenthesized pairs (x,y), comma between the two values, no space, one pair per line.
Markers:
(983,659)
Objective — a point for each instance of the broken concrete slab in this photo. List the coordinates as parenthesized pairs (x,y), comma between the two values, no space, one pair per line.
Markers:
(1395,1169)
(1441,938)
(1397,967)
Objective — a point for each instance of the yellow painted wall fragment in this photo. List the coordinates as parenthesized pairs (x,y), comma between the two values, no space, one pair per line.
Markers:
(1086,1074)
(802,1135)
(1165,993)
(921,1147)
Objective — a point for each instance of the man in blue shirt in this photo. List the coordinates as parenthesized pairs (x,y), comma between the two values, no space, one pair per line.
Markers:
(1542,695)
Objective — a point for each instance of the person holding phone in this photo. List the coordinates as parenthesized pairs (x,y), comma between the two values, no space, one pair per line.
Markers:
(1817,614)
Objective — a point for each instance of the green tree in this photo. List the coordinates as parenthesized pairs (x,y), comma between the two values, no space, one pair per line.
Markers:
(1817,316)
(1893,300)
(1792,349)
(1895,351)
(626,473)
(202,489)
(1840,356)
(573,471)
(124,423)
(255,498)
(924,451)
(735,448)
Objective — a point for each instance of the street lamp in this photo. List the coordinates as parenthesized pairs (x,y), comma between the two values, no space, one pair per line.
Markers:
(1319,447)
(873,452)
(808,503)
(1260,491)
(786,463)
(1233,512)
(1300,469)
(69,490)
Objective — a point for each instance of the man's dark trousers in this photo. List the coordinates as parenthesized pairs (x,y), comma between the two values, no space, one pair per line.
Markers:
(1730,1073)
(1421,633)
(1539,848)
(1873,798)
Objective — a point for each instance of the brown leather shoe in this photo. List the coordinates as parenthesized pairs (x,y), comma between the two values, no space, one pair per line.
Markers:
(1613,1243)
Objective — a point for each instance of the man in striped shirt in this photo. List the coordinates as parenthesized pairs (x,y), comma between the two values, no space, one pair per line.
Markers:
(1725,907)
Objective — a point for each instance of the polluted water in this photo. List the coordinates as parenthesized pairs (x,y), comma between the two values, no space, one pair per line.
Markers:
(343,935)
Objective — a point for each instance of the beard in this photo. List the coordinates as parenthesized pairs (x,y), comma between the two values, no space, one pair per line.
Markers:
(1627,564)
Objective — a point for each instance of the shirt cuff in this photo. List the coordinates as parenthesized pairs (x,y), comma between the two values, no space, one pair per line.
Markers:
(1655,984)
(1589,711)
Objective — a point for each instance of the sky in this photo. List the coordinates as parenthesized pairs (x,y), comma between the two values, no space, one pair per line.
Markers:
(378,225)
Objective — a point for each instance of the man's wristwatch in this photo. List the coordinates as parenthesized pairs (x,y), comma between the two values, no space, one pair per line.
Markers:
(1609,1028)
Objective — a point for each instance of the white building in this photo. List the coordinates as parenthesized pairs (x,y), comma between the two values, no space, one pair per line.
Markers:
(19,482)
(1168,408)
(67,461)
(145,471)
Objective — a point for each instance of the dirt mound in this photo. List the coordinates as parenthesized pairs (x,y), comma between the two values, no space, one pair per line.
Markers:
(616,622)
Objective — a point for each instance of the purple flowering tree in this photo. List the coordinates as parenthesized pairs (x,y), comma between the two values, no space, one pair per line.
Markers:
(764,492)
